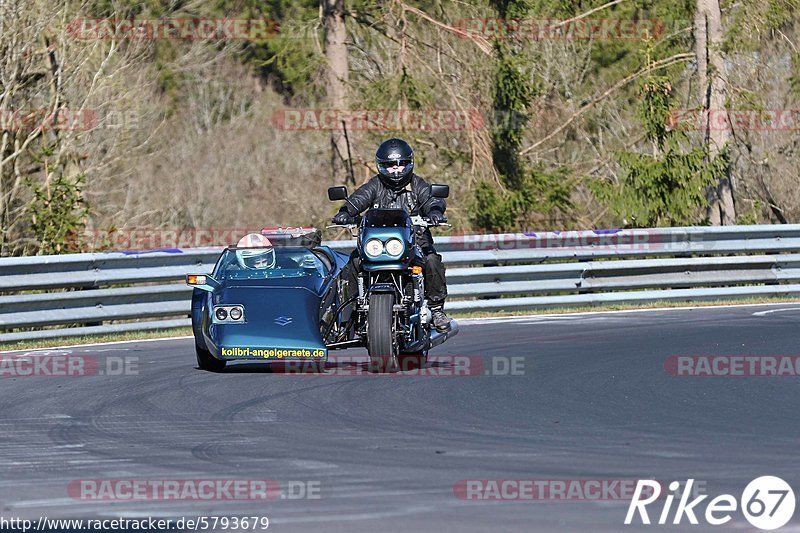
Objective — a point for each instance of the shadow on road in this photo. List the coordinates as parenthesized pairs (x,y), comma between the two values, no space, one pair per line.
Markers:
(409,365)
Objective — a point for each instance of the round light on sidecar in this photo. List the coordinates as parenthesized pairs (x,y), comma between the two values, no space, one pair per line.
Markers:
(373,248)
(394,247)
(221,313)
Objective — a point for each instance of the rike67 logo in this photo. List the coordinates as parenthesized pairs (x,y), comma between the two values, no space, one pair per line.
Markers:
(767,503)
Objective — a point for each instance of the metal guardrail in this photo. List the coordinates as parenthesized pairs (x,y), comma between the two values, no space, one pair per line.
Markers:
(81,294)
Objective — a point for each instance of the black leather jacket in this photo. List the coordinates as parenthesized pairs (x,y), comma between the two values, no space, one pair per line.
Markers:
(414,198)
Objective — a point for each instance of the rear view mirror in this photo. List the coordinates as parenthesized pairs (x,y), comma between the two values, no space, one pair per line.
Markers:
(439,191)
(337,193)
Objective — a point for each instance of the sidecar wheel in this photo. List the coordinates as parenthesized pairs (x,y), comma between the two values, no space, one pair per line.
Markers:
(208,362)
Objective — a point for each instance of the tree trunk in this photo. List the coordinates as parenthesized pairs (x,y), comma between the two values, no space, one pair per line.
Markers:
(332,12)
(714,90)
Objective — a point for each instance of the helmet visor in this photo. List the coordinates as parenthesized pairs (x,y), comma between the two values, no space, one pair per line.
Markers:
(261,261)
(394,167)
(256,258)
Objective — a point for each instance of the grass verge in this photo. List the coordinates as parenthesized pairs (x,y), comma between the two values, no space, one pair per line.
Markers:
(92,339)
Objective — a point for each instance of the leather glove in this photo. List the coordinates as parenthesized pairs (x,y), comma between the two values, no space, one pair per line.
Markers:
(342,217)
(436,217)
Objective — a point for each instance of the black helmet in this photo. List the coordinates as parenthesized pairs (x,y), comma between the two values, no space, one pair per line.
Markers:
(395,162)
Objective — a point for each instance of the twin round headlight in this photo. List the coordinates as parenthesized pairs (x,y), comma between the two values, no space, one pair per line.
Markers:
(375,247)
(394,247)
(228,314)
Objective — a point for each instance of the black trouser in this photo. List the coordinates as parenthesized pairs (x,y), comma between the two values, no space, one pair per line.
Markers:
(433,270)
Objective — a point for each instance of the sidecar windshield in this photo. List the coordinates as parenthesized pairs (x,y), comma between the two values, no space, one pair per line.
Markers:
(288,262)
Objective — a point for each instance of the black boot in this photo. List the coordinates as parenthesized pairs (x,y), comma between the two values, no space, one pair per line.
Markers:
(440,320)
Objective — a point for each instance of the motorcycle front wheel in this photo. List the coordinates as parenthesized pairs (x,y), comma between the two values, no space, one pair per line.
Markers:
(381,340)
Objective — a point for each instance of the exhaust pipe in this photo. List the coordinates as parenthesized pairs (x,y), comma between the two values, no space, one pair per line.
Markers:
(438,337)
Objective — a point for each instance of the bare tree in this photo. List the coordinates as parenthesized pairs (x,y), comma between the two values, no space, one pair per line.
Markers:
(714,93)
(332,13)
(58,98)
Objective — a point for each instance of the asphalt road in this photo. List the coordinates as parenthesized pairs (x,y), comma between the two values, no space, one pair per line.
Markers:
(568,399)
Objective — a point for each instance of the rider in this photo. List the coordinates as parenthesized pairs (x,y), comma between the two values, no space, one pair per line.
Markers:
(255,252)
(397,187)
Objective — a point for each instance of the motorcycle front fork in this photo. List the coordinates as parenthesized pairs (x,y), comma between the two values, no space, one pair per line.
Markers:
(418,297)
(362,300)
(420,300)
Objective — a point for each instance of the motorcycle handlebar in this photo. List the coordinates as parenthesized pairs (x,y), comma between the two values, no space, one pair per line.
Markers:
(415,220)
(426,223)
